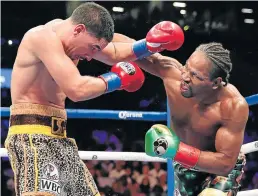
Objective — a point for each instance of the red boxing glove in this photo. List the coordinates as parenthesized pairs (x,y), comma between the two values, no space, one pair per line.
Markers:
(165,35)
(131,76)
(187,156)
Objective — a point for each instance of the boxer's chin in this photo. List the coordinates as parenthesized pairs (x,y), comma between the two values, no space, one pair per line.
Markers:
(187,93)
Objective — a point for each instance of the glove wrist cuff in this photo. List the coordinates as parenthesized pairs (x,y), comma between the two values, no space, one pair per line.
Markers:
(140,49)
(187,155)
(112,80)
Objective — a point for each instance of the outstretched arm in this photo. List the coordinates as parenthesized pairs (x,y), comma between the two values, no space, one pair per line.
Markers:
(163,36)
(120,49)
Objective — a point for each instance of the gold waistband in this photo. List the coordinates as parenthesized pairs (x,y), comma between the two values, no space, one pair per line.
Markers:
(36,129)
(37,119)
(43,110)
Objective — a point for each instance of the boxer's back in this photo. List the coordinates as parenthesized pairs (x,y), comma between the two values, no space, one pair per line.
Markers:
(31,82)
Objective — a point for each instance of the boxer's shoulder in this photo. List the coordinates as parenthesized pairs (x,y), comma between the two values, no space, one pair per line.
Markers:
(234,109)
(39,37)
(34,39)
(54,22)
(42,32)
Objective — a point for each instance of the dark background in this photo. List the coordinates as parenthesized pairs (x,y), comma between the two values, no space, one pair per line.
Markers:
(208,21)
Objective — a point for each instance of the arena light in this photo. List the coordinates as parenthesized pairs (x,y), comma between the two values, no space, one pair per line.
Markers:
(247,11)
(249,21)
(186,27)
(2,80)
(182,12)
(10,42)
(118,9)
(179,4)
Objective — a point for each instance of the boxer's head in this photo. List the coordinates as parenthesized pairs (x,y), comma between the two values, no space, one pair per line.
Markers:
(92,29)
(206,70)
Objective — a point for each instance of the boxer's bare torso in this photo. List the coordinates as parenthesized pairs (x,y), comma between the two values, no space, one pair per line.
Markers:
(31,81)
(197,125)
(194,124)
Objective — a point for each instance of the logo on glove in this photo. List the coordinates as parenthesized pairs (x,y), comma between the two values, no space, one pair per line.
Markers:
(160,146)
(127,67)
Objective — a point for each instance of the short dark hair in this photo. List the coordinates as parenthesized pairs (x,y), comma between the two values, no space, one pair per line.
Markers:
(220,58)
(96,19)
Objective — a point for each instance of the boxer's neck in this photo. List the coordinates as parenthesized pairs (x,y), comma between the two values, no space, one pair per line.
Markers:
(209,98)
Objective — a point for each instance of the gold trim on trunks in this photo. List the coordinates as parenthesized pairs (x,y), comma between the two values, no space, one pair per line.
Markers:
(29,108)
(27,118)
(35,129)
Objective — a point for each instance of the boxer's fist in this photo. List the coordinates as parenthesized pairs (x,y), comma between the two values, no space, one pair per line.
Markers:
(124,76)
(165,35)
(131,76)
(161,141)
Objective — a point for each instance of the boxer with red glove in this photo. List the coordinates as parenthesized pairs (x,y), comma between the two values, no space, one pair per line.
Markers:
(163,141)
(165,35)
(124,76)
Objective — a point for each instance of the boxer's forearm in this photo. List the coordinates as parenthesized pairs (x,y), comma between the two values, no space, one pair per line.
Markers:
(151,64)
(160,65)
(120,49)
(122,38)
(123,52)
(116,52)
(87,88)
(215,163)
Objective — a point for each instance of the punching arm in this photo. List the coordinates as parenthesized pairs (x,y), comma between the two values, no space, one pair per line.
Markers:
(165,35)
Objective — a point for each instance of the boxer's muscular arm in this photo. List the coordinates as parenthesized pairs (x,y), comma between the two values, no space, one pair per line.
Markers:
(118,37)
(160,66)
(120,49)
(49,49)
(228,141)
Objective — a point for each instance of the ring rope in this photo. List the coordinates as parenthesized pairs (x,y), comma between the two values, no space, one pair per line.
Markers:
(121,114)
(134,156)
(253,192)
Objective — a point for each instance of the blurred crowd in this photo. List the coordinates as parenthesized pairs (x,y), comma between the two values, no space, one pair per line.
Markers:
(115,178)
(129,178)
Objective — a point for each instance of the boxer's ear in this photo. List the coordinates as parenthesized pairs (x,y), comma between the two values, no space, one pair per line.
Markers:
(216,83)
(80,28)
